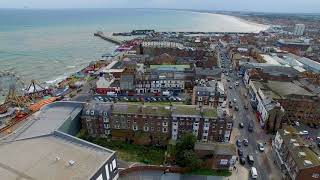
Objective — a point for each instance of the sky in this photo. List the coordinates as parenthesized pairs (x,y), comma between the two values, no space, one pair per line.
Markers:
(290,6)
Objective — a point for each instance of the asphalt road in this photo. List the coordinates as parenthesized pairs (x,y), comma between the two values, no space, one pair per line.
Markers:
(263,160)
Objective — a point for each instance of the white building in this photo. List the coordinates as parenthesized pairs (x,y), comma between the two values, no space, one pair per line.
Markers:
(299,29)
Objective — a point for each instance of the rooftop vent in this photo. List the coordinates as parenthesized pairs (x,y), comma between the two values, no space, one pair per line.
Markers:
(307,163)
(302,154)
(286,132)
(57,158)
(296,144)
(71,162)
(293,140)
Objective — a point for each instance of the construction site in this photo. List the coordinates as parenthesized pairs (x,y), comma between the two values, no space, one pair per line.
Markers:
(18,100)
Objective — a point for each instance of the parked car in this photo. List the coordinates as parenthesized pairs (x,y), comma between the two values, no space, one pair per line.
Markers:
(230,87)
(234,100)
(178,99)
(245,142)
(245,106)
(241,125)
(304,132)
(238,143)
(260,147)
(236,108)
(242,160)
(236,83)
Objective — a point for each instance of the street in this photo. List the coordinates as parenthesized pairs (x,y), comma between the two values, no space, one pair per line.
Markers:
(263,161)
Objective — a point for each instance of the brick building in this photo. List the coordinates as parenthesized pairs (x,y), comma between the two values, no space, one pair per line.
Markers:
(154,124)
(295,156)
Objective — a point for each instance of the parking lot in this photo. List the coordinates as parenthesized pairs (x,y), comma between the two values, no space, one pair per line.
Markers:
(105,98)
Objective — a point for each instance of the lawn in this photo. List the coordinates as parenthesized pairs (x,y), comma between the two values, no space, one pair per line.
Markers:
(210,172)
(134,153)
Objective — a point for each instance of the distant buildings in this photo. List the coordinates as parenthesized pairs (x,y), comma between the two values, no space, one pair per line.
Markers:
(154,124)
(299,29)
(295,156)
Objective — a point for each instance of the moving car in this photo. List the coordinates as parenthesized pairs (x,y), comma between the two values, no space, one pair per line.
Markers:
(250,159)
(250,127)
(246,106)
(254,173)
(230,87)
(236,83)
(240,152)
(241,125)
(236,108)
(234,100)
(245,142)
(260,147)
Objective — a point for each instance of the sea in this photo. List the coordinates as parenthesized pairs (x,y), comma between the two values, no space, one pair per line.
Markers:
(49,45)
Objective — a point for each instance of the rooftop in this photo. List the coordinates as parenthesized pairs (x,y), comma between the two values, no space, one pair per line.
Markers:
(37,158)
(287,88)
(298,145)
(217,148)
(39,150)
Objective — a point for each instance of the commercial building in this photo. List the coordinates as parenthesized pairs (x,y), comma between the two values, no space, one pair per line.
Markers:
(298,103)
(154,124)
(299,29)
(207,93)
(295,156)
(45,148)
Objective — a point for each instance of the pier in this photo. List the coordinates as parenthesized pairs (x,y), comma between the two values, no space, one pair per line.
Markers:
(107,38)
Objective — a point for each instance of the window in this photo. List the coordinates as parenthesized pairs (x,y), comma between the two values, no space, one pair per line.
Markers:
(128,121)
(205,131)
(107,171)
(100,177)
(105,114)
(105,119)
(92,112)
(152,128)
(174,130)
(88,112)
(164,130)
(165,123)
(158,129)
(146,128)
(229,125)
(106,126)
(106,132)
(135,127)
(114,164)
(206,125)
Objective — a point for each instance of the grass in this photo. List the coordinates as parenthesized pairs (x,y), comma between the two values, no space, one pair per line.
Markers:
(210,172)
(134,153)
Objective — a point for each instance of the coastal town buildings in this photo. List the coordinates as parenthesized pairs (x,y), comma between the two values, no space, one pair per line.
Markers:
(295,156)
(299,29)
(154,124)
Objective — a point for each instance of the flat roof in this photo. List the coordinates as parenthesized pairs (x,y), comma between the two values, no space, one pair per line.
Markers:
(38,150)
(290,133)
(48,120)
(287,88)
(36,159)
(217,148)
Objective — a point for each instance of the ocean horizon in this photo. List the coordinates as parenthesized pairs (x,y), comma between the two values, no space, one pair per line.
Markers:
(49,45)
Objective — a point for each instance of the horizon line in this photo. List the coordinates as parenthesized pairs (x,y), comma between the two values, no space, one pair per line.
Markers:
(175,9)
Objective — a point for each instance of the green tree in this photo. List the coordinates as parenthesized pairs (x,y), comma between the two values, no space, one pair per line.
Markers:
(186,142)
(188,158)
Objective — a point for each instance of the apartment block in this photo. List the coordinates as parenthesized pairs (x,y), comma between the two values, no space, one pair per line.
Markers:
(154,124)
(295,156)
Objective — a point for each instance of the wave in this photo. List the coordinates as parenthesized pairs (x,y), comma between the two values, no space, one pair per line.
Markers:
(57,80)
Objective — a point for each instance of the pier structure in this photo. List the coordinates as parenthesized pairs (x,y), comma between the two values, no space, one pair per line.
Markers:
(107,38)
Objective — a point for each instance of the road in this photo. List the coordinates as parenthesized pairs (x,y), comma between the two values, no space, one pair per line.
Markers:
(263,160)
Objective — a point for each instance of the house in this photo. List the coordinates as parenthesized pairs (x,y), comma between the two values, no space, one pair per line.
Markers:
(216,155)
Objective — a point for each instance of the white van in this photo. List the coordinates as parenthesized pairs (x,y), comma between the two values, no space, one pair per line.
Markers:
(254,173)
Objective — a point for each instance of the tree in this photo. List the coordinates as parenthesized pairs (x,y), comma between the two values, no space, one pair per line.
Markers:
(185,155)
(186,142)
(188,158)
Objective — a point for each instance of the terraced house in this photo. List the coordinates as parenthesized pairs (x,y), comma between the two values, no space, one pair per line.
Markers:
(154,123)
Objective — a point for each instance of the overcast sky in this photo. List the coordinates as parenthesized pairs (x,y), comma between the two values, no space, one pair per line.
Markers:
(304,6)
